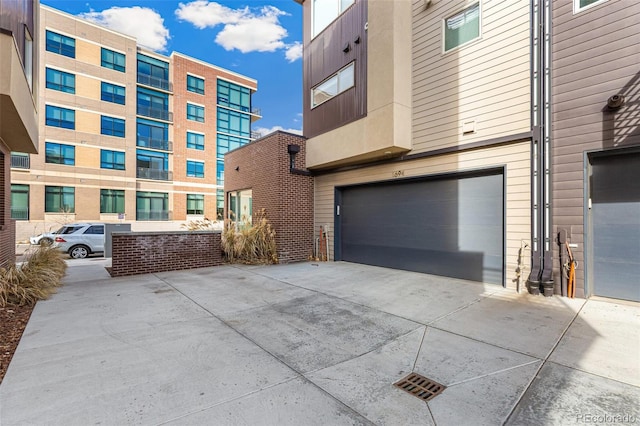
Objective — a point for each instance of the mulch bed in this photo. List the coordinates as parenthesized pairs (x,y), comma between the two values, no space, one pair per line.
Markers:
(13,320)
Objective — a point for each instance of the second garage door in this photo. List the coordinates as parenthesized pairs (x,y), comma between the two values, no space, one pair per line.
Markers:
(451,226)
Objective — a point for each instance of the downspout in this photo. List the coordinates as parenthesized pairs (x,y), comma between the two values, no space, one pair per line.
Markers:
(541,275)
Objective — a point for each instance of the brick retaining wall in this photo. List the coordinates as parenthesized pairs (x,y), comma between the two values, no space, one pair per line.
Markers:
(147,252)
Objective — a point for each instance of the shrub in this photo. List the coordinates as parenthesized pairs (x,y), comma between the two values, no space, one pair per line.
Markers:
(200,225)
(35,279)
(244,242)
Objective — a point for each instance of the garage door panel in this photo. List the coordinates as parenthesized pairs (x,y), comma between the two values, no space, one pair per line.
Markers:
(452,227)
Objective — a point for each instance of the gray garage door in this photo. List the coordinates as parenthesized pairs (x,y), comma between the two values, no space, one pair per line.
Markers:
(450,226)
(615,216)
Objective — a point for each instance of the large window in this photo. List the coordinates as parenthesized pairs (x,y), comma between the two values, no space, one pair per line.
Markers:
(241,206)
(234,122)
(195,112)
(152,206)
(153,104)
(326,11)
(195,169)
(333,86)
(112,126)
(153,72)
(111,201)
(114,60)
(62,45)
(60,117)
(112,93)
(60,80)
(152,134)
(20,202)
(59,199)
(57,153)
(579,5)
(462,27)
(234,96)
(152,165)
(195,84)
(113,160)
(195,140)
(195,204)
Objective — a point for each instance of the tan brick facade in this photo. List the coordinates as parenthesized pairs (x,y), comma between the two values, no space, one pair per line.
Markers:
(263,167)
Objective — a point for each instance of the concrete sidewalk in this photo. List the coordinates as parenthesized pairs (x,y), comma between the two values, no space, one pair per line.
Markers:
(317,344)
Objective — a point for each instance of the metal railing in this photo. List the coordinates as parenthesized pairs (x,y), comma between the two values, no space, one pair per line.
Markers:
(158,113)
(155,174)
(18,213)
(149,142)
(20,161)
(151,81)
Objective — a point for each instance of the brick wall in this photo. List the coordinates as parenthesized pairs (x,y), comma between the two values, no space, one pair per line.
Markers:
(7,226)
(147,252)
(286,197)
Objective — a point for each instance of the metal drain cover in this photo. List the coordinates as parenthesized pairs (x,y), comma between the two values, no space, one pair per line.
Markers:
(420,386)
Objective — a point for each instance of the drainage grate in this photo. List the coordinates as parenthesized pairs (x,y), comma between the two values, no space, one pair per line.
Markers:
(420,386)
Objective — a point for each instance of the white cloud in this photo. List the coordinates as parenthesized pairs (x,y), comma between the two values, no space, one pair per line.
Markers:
(294,52)
(243,29)
(264,131)
(145,24)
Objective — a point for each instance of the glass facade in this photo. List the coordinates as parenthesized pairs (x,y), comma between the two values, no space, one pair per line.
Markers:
(153,72)
(234,96)
(153,104)
(152,165)
(152,134)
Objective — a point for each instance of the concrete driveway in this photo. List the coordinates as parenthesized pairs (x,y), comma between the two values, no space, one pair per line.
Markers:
(317,344)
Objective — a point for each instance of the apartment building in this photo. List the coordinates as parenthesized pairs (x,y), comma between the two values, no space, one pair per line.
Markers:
(127,134)
(419,123)
(19,40)
(596,143)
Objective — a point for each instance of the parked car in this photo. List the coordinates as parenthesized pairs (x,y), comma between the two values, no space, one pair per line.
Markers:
(80,239)
(44,239)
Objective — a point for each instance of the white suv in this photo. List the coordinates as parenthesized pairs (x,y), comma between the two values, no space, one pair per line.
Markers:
(80,239)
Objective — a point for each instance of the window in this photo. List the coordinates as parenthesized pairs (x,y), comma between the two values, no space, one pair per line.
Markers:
(195,204)
(152,165)
(241,206)
(234,96)
(326,11)
(60,117)
(94,230)
(152,206)
(195,84)
(195,112)
(20,202)
(153,72)
(462,28)
(112,93)
(111,201)
(113,160)
(336,84)
(220,172)
(195,169)
(27,61)
(228,143)
(112,126)
(580,5)
(62,45)
(60,154)
(233,122)
(60,80)
(59,199)
(114,60)
(152,134)
(195,141)
(153,104)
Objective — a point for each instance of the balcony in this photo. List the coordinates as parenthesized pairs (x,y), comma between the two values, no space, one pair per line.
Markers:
(160,114)
(153,215)
(20,161)
(153,174)
(158,83)
(19,213)
(148,142)
(255,135)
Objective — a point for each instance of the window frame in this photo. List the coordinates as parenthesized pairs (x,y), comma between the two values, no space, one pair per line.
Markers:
(340,9)
(114,199)
(65,160)
(61,86)
(197,169)
(335,76)
(113,62)
(196,144)
(111,96)
(112,163)
(58,47)
(468,42)
(59,122)
(112,130)
(577,9)
(17,188)
(195,89)
(198,199)
(61,192)
(196,117)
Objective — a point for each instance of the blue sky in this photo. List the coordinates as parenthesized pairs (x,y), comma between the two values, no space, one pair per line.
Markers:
(259,39)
